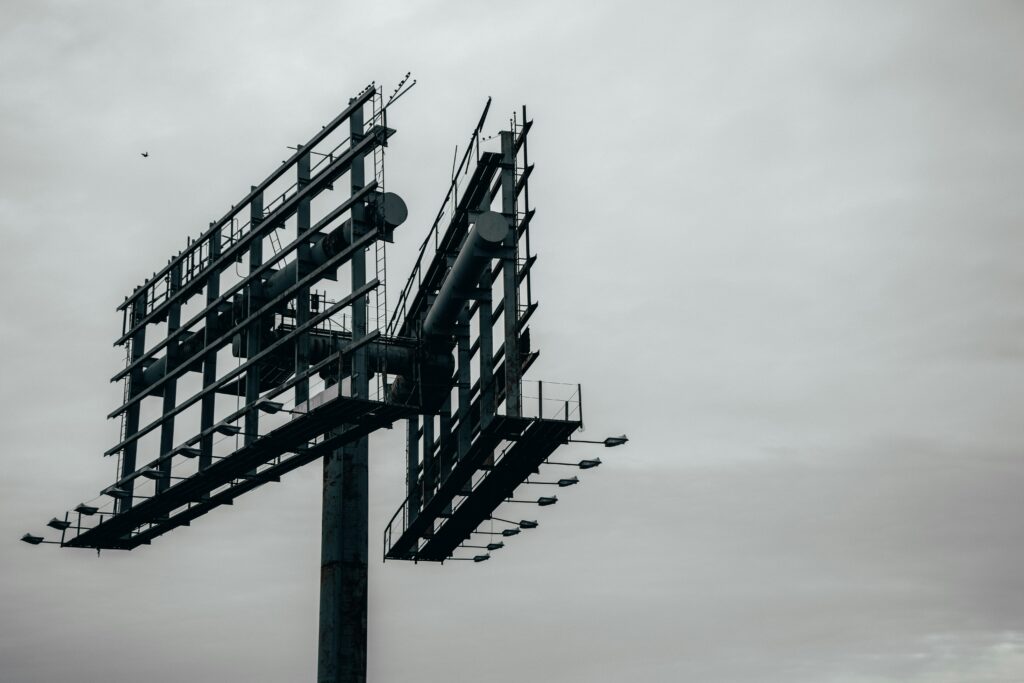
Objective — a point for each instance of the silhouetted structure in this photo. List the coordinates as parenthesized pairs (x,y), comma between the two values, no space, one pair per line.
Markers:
(245,370)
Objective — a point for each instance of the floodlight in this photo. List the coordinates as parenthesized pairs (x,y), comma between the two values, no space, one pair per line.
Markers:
(562,483)
(152,473)
(84,509)
(495,546)
(610,442)
(527,524)
(588,464)
(481,558)
(227,430)
(270,407)
(33,540)
(58,524)
(544,501)
(115,492)
(509,532)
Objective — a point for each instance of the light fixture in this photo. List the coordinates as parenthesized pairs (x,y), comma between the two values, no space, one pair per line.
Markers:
(610,442)
(481,558)
(522,524)
(32,540)
(561,483)
(582,464)
(270,407)
(84,509)
(509,532)
(495,546)
(115,492)
(152,473)
(187,451)
(543,501)
(227,430)
(58,524)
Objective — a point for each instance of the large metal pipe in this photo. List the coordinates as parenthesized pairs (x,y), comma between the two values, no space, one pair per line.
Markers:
(388,212)
(483,242)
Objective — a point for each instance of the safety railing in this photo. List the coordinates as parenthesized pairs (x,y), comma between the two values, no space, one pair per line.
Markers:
(551,401)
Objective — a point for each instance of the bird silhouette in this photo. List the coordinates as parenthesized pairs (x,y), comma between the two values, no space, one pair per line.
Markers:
(145,154)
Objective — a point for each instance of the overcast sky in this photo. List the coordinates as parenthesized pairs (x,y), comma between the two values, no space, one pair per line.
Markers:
(780,246)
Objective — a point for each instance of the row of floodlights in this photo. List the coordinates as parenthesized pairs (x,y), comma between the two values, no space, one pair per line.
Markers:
(187,450)
(272,407)
(543,501)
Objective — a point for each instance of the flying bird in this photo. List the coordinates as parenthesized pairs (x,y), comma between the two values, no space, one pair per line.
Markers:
(145,154)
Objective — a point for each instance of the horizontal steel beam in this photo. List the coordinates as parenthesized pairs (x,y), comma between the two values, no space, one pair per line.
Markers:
(502,427)
(312,322)
(363,414)
(539,441)
(257,273)
(356,104)
(269,223)
(268,307)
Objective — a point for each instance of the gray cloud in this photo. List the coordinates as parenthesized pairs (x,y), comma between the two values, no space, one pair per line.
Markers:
(779,246)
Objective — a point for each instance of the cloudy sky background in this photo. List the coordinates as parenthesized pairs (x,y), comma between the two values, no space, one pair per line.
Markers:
(780,246)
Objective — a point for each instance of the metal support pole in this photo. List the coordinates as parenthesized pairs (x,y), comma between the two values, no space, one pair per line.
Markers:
(171,387)
(131,417)
(254,331)
(486,325)
(304,265)
(429,466)
(465,434)
(412,471)
(344,543)
(209,401)
(443,458)
(510,285)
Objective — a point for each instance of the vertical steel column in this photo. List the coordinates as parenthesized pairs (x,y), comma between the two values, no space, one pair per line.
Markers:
(486,351)
(412,470)
(131,418)
(429,466)
(344,542)
(510,286)
(171,387)
(303,267)
(464,434)
(254,331)
(209,400)
(443,458)
(485,321)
